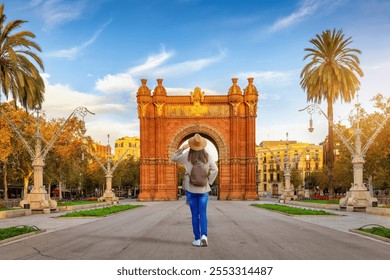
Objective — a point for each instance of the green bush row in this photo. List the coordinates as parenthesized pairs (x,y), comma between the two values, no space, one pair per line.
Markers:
(291,210)
(101,211)
(15,231)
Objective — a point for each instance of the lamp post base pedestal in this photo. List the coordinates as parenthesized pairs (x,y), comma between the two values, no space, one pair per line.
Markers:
(109,196)
(357,201)
(287,195)
(39,200)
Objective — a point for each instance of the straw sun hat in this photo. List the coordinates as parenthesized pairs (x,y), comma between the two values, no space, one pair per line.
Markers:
(197,142)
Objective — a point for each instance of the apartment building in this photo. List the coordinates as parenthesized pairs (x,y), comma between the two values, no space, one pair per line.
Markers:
(130,146)
(272,156)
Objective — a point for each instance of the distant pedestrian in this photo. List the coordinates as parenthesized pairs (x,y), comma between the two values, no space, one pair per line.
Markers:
(197,194)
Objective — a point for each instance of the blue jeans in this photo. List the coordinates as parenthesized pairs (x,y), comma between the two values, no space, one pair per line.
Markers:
(198,206)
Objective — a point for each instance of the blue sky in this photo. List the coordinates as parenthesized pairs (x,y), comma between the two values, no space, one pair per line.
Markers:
(95,52)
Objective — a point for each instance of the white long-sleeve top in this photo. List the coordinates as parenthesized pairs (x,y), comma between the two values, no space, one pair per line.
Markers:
(210,165)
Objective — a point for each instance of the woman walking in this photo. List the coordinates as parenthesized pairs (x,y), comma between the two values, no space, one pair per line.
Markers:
(197,193)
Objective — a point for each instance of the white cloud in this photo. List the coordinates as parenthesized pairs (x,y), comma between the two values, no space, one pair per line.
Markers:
(126,82)
(122,82)
(62,98)
(269,76)
(267,96)
(151,62)
(74,51)
(111,116)
(34,3)
(57,12)
(152,67)
(99,129)
(190,66)
(307,8)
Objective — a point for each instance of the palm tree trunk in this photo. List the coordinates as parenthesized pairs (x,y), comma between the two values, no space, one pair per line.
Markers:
(330,150)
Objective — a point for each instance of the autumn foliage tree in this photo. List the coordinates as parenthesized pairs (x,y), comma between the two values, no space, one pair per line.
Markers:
(14,157)
(63,161)
(377,159)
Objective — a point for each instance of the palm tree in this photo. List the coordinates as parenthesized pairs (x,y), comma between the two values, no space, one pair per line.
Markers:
(19,77)
(331,75)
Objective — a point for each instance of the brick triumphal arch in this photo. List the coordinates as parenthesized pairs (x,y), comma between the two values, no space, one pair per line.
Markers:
(228,121)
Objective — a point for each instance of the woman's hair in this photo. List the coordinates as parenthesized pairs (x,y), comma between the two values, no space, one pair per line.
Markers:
(194,156)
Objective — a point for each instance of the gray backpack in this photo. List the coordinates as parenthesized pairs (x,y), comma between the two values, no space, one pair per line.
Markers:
(198,176)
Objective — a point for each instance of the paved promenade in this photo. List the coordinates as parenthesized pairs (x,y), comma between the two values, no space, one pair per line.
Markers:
(162,230)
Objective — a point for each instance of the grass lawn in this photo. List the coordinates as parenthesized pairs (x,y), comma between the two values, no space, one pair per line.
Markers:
(380,231)
(101,212)
(15,231)
(322,201)
(8,209)
(72,203)
(292,210)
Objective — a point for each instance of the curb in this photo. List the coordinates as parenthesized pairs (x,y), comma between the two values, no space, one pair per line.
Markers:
(384,239)
(4,241)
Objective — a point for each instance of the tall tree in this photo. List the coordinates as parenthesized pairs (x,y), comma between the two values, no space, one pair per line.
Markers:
(377,165)
(331,74)
(19,76)
(12,152)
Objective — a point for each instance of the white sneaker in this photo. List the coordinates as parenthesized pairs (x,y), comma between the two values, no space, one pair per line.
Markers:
(196,243)
(203,241)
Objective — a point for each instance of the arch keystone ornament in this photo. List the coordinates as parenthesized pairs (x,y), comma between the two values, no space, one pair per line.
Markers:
(228,121)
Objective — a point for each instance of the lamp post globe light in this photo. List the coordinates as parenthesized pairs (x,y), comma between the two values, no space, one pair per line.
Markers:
(38,199)
(358,198)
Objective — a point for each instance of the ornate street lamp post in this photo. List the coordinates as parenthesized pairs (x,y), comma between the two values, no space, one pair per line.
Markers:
(287,166)
(38,198)
(108,195)
(358,197)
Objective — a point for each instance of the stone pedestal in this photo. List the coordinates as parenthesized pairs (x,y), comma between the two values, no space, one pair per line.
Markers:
(109,196)
(357,200)
(39,199)
(287,195)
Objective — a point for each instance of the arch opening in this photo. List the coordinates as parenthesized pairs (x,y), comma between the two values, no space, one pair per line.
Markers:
(212,150)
